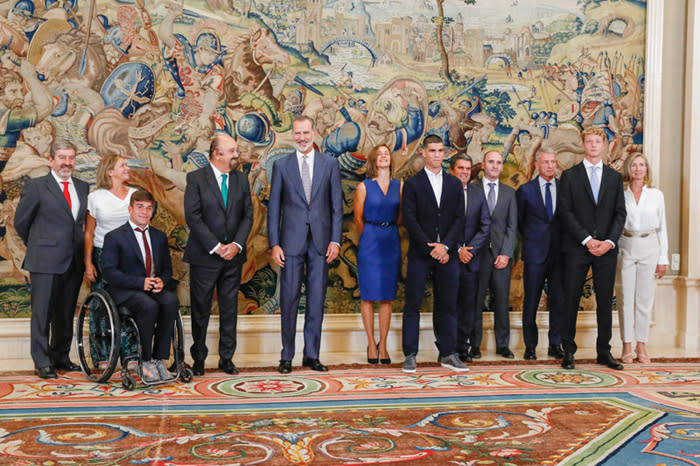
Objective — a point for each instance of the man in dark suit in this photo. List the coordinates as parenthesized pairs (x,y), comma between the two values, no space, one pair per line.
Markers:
(538,222)
(219,214)
(496,255)
(304,221)
(432,208)
(138,273)
(50,218)
(477,224)
(593,213)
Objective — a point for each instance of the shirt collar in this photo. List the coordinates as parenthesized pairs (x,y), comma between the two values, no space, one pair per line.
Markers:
(588,164)
(434,175)
(310,155)
(544,182)
(486,182)
(60,180)
(217,173)
(135,226)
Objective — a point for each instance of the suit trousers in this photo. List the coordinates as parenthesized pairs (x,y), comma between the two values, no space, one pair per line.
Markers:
(636,285)
(445,287)
(577,266)
(498,282)
(466,306)
(53,299)
(310,268)
(534,278)
(227,280)
(155,315)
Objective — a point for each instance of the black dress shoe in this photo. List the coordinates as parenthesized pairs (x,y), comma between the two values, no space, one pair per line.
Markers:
(464,356)
(228,366)
(530,354)
(505,352)
(373,360)
(567,362)
(285,366)
(198,367)
(66,366)
(475,353)
(608,360)
(46,372)
(314,364)
(555,351)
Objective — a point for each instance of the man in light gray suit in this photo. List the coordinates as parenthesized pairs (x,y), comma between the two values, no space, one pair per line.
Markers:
(304,220)
(50,218)
(496,256)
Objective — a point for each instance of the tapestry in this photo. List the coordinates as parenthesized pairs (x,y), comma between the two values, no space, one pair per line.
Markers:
(154,80)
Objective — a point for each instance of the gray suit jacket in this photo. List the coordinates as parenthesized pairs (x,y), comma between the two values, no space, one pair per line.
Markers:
(504,223)
(46,225)
(289,216)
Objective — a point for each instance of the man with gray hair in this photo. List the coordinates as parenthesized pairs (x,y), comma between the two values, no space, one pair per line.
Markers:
(50,219)
(538,222)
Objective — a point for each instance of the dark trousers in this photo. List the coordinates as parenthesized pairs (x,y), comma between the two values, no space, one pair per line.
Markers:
(534,278)
(227,280)
(155,315)
(498,281)
(53,298)
(445,284)
(466,307)
(577,266)
(309,267)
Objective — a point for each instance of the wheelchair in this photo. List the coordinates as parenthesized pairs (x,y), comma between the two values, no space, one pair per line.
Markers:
(107,333)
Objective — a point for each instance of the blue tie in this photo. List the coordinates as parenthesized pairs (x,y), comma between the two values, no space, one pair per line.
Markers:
(595,183)
(548,200)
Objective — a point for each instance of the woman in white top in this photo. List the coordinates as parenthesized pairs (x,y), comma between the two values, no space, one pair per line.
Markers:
(643,256)
(108,208)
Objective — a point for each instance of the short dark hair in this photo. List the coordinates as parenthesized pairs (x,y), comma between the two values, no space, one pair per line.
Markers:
(141,195)
(60,144)
(432,139)
(460,156)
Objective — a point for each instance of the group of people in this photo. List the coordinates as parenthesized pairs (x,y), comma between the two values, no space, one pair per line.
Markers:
(462,234)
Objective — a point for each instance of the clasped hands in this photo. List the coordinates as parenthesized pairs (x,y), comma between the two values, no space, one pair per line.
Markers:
(439,252)
(153,284)
(228,251)
(597,247)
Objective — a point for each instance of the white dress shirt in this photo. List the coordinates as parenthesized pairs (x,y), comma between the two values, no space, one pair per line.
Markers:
(435,180)
(485,183)
(74,200)
(218,176)
(139,238)
(309,161)
(466,198)
(588,166)
(552,189)
(648,216)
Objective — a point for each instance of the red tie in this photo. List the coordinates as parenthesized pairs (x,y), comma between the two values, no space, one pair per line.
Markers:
(149,261)
(66,193)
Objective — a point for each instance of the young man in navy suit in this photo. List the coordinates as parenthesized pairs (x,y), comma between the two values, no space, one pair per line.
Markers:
(138,272)
(538,223)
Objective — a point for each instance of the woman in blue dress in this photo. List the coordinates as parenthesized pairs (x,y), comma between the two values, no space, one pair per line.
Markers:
(377,207)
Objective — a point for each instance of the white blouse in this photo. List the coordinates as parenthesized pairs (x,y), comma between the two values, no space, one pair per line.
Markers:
(109,212)
(648,215)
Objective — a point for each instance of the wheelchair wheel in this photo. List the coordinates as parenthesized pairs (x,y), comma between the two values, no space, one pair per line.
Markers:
(97,336)
(128,382)
(187,375)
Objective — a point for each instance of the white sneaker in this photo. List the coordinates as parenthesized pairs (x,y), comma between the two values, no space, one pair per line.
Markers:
(452,362)
(162,370)
(150,371)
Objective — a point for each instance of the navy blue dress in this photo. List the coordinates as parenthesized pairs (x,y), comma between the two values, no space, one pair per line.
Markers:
(379,252)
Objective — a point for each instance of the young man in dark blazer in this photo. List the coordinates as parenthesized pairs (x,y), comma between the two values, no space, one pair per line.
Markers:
(219,214)
(432,208)
(50,219)
(138,272)
(592,207)
(538,222)
(477,224)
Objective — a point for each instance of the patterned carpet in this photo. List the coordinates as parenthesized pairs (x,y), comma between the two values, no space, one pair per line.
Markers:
(494,414)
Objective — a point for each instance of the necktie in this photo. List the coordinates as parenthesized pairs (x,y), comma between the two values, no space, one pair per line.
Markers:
(66,193)
(491,199)
(306,177)
(224,188)
(149,260)
(595,183)
(548,204)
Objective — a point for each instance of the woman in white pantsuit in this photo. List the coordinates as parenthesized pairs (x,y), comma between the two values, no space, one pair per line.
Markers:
(643,256)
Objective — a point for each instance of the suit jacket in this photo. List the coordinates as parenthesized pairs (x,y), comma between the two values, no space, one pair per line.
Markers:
(504,221)
(477,225)
(45,223)
(124,268)
(541,237)
(209,222)
(290,217)
(426,222)
(582,217)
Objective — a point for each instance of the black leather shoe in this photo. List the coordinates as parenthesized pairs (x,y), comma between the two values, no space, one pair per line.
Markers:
(465,356)
(314,365)
(475,353)
(285,366)
(505,352)
(608,360)
(373,360)
(555,351)
(66,366)
(567,362)
(530,354)
(228,366)
(198,367)
(46,372)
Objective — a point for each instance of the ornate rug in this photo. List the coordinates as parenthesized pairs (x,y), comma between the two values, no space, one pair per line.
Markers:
(494,414)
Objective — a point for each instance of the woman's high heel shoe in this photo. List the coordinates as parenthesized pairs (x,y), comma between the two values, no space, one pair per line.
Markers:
(383,360)
(372,360)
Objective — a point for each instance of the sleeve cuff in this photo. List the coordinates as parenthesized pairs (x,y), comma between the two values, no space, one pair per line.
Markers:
(215,248)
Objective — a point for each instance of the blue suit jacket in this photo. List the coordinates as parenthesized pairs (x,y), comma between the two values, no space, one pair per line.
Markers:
(289,216)
(123,264)
(541,236)
(477,225)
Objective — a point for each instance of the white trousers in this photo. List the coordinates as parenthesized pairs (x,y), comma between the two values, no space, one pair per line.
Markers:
(636,284)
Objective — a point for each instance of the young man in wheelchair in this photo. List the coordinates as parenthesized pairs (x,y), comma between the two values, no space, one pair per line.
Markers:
(138,272)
